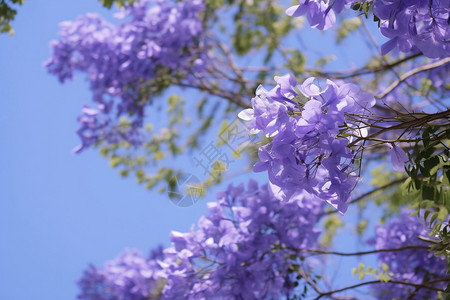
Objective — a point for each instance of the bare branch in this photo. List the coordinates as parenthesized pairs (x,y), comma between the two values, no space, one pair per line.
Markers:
(415,120)
(410,73)
(325,252)
(424,286)
(365,70)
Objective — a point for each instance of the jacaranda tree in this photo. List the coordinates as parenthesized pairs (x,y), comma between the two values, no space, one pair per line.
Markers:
(316,130)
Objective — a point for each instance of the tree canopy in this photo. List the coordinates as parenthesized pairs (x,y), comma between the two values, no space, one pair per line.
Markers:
(342,105)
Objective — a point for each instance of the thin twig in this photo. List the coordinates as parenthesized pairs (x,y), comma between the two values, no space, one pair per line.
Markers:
(410,73)
(364,70)
(236,99)
(424,285)
(325,252)
(415,122)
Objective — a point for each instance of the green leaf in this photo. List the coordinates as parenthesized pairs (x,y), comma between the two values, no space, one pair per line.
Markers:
(347,26)
(433,217)
(384,277)
(115,161)
(443,213)
(426,214)
(431,163)
(428,192)
(356,6)
(426,137)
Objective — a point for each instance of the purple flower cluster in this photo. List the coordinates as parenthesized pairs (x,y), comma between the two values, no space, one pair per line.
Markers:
(121,61)
(320,14)
(97,126)
(409,24)
(413,265)
(128,277)
(304,124)
(244,249)
(247,247)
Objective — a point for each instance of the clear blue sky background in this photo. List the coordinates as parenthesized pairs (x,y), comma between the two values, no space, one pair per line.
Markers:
(59,211)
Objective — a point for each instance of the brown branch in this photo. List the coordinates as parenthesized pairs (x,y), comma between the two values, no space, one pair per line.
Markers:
(233,98)
(424,286)
(325,252)
(415,122)
(365,70)
(410,73)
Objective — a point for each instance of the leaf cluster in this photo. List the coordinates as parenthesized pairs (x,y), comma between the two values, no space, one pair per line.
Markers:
(7,15)
(430,174)
(119,3)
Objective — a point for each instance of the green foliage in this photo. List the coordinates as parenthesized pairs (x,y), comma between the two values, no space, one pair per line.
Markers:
(166,143)
(119,3)
(389,191)
(383,275)
(161,144)
(429,181)
(442,247)
(332,224)
(346,27)
(259,27)
(295,61)
(361,226)
(430,173)
(323,61)
(364,7)
(7,15)
(259,23)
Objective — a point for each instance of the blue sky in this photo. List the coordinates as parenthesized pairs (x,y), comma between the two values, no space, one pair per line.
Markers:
(60,211)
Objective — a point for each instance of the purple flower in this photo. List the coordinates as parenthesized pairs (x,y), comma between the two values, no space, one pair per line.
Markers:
(243,248)
(319,13)
(306,151)
(128,277)
(409,25)
(122,61)
(398,158)
(412,265)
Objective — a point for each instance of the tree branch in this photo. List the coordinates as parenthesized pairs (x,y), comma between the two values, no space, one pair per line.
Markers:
(236,99)
(424,286)
(410,73)
(365,70)
(415,122)
(325,252)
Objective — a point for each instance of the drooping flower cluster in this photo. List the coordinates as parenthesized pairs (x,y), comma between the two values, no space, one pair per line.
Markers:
(247,247)
(410,25)
(304,123)
(413,265)
(244,248)
(320,14)
(157,38)
(422,24)
(128,277)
